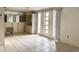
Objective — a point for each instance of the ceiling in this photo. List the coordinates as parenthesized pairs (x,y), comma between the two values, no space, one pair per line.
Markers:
(23,9)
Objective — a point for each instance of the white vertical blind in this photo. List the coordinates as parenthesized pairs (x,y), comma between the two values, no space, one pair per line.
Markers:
(39,22)
(48,23)
(34,28)
(54,24)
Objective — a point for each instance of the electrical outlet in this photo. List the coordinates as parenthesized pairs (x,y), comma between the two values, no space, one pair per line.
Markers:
(67,36)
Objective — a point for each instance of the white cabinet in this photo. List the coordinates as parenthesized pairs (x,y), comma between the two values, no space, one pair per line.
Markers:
(21,27)
(18,27)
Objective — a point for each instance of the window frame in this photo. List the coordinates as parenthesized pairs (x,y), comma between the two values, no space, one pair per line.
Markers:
(46,26)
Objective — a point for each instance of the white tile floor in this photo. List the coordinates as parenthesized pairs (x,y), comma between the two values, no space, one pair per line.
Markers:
(27,43)
(34,43)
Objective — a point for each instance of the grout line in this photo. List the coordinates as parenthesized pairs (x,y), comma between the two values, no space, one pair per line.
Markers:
(14,45)
(22,44)
(18,42)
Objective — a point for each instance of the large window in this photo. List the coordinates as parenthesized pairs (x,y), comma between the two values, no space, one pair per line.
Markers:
(12,18)
(46,18)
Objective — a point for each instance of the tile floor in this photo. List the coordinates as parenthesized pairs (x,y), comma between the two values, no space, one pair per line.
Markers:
(27,43)
(63,47)
(34,43)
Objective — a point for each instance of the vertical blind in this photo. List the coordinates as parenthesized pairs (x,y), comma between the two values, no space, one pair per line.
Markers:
(48,22)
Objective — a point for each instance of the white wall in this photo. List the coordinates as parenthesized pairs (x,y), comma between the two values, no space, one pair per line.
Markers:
(69,26)
(2,26)
(1,10)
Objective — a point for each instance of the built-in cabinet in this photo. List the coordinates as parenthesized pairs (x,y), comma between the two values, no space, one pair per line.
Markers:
(28,24)
(29,29)
(17,27)
(18,23)
(14,24)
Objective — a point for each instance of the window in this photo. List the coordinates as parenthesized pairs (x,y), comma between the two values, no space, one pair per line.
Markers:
(17,18)
(39,22)
(9,18)
(46,22)
(12,18)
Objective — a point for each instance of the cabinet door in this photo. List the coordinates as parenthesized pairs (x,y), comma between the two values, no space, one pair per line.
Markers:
(21,27)
(15,27)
